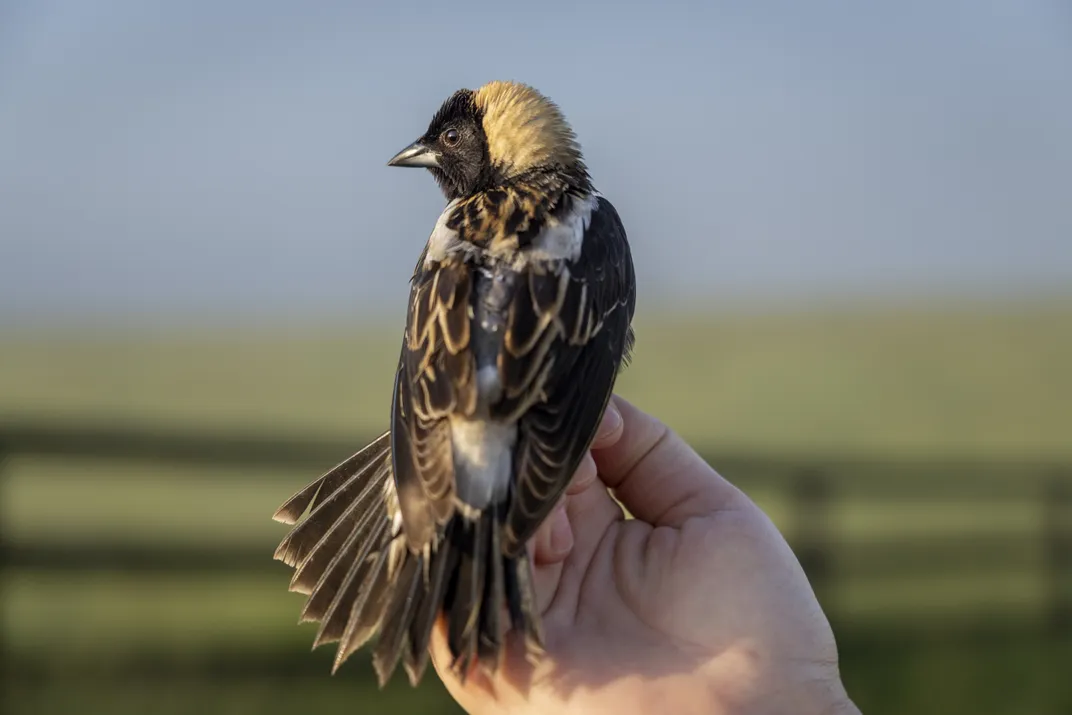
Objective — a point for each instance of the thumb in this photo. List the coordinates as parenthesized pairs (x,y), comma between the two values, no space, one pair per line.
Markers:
(656,476)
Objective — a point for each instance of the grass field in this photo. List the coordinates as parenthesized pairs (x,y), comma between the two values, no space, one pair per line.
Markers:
(985,384)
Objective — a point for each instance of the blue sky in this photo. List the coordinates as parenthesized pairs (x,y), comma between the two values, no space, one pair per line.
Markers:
(227,159)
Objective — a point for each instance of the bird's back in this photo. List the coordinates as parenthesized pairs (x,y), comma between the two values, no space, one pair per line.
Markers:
(519,320)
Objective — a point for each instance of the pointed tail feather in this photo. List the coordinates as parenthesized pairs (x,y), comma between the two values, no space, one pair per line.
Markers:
(358,479)
(325,484)
(444,561)
(483,582)
(489,647)
(521,603)
(398,618)
(351,558)
(351,527)
(332,602)
(465,599)
(366,613)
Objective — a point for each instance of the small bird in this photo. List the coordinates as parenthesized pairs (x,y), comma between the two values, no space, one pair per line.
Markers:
(518,323)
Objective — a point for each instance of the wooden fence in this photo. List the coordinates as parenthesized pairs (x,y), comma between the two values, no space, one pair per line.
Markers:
(812,484)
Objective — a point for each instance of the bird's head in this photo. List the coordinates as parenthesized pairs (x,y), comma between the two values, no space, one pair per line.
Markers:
(487,137)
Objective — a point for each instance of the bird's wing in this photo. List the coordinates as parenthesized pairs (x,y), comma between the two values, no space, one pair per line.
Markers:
(435,379)
(567,335)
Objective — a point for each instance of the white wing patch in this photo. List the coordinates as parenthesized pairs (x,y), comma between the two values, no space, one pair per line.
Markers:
(483,459)
(483,449)
(443,240)
(561,239)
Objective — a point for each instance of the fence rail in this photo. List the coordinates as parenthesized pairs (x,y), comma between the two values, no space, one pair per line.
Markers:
(813,484)
(104,439)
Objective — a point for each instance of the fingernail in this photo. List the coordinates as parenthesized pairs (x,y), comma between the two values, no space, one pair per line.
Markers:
(612,421)
(561,532)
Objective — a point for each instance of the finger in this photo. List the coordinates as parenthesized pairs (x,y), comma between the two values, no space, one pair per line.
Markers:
(657,477)
(609,432)
(584,477)
(610,428)
(484,692)
(478,687)
(554,538)
(591,512)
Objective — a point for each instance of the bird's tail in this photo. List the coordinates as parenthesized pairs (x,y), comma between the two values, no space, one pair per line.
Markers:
(483,582)
(350,558)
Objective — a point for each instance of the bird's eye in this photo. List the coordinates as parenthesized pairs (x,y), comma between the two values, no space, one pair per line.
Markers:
(450,137)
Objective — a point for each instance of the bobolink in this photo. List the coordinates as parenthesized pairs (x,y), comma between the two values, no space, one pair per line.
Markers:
(517,326)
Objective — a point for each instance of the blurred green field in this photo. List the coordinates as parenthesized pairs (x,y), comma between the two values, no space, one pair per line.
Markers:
(986,381)
(986,384)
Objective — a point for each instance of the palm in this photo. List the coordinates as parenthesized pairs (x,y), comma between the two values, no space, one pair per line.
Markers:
(696,605)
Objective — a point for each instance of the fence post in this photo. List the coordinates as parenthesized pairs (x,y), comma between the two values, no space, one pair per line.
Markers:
(811,492)
(5,453)
(1057,536)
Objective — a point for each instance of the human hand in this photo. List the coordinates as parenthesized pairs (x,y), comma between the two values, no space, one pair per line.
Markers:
(696,605)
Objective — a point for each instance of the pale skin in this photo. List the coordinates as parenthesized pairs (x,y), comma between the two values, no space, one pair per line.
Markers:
(696,605)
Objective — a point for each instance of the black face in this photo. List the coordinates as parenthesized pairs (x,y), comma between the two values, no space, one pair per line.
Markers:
(456,134)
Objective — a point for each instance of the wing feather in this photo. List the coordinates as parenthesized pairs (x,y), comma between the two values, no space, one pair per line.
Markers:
(565,334)
(435,380)
(574,325)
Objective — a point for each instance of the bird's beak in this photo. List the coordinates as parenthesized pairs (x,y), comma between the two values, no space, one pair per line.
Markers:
(416,154)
